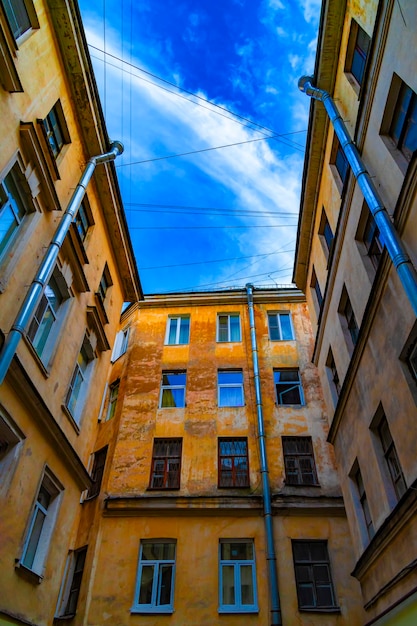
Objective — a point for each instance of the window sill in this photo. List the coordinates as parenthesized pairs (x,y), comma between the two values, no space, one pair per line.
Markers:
(37,358)
(27,573)
(290,406)
(71,418)
(353,83)
(236,610)
(59,618)
(314,609)
(151,611)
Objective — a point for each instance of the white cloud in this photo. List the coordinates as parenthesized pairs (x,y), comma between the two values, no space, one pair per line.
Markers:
(311,10)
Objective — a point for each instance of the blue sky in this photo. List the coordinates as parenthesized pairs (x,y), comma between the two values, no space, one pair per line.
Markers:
(219,217)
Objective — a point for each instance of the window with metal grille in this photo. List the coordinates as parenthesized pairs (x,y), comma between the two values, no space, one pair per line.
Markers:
(300,468)
(288,386)
(233,462)
(391,458)
(97,472)
(313,575)
(166,464)
(280,326)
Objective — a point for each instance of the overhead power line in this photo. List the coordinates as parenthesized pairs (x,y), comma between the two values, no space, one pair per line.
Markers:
(205,227)
(239,258)
(254,125)
(194,210)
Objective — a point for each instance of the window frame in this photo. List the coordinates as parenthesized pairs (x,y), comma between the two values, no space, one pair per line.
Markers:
(78,386)
(11,444)
(387,453)
(229,328)
(113,396)
(158,458)
(83,220)
(121,343)
(32,21)
(311,564)
(298,384)
(339,165)
(232,385)
(367,521)
(333,376)
(54,489)
(236,482)
(391,112)
(296,457)
(178,319)
(349,324)
(172,386)
(358,48)
(56,130)
(237,564)
(71,583)
(154,606)
(97,472)
(325,234)
(316,290)
(20,206)
(276,328)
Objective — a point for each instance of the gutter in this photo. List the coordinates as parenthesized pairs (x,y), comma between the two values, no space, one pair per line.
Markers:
(275,610)
(46,268)
(389,235)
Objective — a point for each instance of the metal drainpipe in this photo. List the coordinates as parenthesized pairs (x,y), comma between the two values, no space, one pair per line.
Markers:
(47,266)
(389,235)
(270,547)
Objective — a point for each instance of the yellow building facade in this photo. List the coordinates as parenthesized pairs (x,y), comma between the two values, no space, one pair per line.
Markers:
(363,310)
(51,125)
(181,532)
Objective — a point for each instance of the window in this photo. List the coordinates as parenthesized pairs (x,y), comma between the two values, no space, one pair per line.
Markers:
(166,464)
(333,376)
(79,381)
(349,323)
(55,129)
(371,239)
(233,462)
(173,389)
(71,587)
(13,208)
(313,575)
(314,284)
(412,360)
(363,500)
(403,128)
(104,284)
(155,580)
(339,163)
(113,395)
(391,457)
(11,442)
(230,388)
(120,344)
(325,234)
(47,320)
(280,327)
(97,472)
(237,577)
(300,468)
(41,524)
(178,330)
(288,386)
(357,52)
(83,220)
(20,15)
(228,327)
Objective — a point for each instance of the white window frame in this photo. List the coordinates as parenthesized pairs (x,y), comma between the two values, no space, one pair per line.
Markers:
(120,344)
(278,315)
(84,376)
(178,320)
(32,20)
(221,386)
(55,490)
(237,607)
(154,606)
(58,314)
(228,340)
(11,443)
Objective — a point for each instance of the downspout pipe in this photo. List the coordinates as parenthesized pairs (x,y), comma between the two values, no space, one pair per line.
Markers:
(276,619)
(388,232)
(47,265)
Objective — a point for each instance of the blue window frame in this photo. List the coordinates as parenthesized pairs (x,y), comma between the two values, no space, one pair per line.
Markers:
(237,576)
(154,591)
